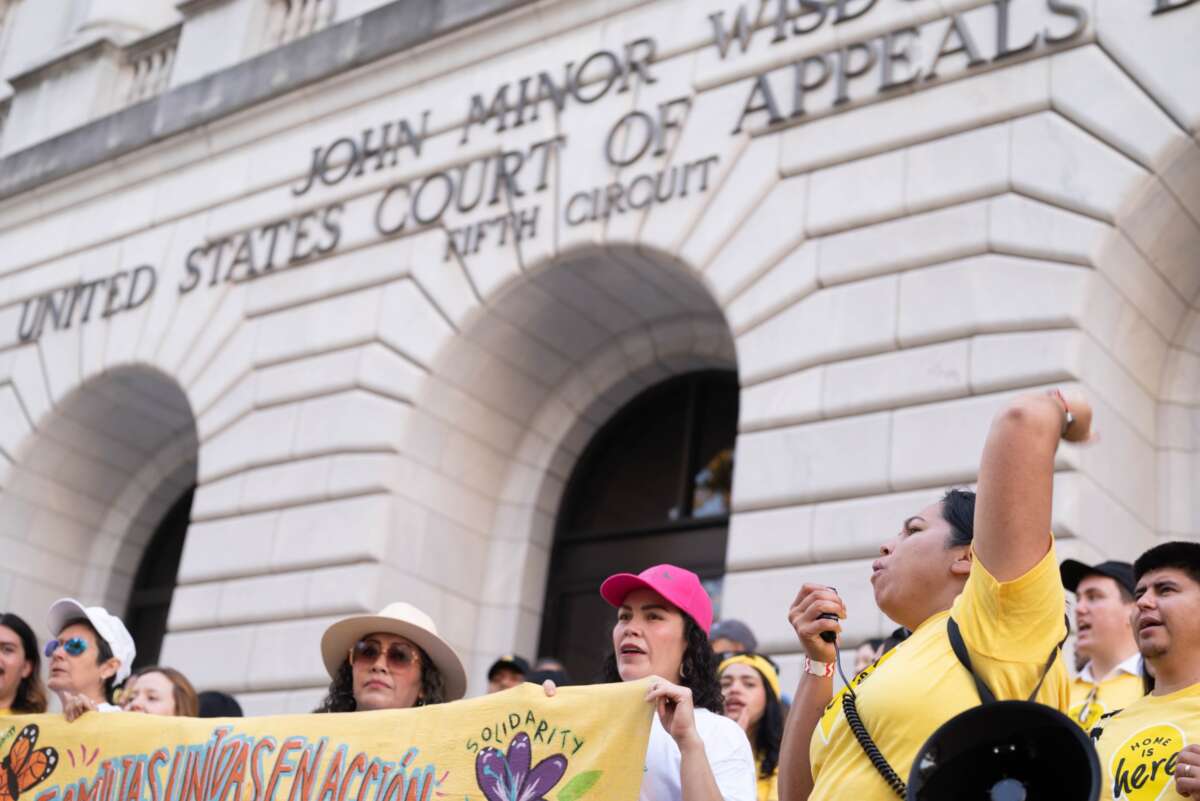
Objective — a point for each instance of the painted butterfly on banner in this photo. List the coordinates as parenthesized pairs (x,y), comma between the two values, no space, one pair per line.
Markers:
(26,765)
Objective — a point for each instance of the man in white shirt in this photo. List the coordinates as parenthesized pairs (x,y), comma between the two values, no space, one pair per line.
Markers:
(1112,677)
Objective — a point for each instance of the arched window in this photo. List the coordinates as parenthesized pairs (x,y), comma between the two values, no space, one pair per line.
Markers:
(653,486)
(154,584)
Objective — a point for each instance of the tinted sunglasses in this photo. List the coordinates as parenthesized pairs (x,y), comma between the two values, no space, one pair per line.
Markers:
(399,655)
(74,646)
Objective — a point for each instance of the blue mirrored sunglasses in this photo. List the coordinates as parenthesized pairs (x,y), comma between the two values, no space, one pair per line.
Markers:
(74,646)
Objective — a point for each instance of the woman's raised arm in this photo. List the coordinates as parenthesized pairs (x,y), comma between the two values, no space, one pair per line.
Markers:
(1016,479)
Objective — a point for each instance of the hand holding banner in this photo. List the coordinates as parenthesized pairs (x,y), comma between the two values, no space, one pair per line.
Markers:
(583,743)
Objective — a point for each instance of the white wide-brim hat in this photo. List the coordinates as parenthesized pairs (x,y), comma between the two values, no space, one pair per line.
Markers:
(108,626)
(403,620)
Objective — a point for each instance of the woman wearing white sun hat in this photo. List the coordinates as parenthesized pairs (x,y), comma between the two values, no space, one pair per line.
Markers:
(392,660)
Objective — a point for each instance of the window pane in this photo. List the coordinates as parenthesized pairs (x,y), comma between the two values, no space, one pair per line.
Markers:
(583,634)
(631,477)
(624,509)
(150,601)
(714,486)
(700,550)
(713,482)
(715,587)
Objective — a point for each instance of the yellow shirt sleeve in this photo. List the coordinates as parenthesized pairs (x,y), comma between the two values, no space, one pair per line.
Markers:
(1013,621)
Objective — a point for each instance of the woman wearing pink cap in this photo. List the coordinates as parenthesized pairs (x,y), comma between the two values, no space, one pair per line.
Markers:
(695,753)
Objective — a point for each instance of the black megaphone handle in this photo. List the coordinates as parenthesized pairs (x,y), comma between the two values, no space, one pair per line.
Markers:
(828,636)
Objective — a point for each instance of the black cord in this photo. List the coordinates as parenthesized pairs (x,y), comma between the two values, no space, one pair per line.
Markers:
(837,656)
(850,709)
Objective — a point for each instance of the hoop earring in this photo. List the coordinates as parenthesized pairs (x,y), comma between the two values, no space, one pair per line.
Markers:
(683,671)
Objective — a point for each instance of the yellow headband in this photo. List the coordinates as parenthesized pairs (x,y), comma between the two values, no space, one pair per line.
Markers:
(758,663)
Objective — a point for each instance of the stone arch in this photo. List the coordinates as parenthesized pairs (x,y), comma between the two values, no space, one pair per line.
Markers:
(1141,309)
(1143,304)
(91,479)
(512,400)
(1165,215)
(931,290)
(1146,259)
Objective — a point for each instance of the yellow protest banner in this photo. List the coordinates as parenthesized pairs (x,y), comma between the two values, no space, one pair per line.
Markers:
(585,743)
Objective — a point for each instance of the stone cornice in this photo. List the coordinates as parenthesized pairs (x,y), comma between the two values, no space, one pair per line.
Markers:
(189,7)
(83,50)
(165,37)
(382,32)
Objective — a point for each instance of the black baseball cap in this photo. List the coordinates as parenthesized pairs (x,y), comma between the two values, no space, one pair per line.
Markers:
(1073,572)
(510,662)
(735,631)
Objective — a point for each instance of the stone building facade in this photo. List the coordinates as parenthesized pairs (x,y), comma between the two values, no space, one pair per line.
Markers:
(370,279)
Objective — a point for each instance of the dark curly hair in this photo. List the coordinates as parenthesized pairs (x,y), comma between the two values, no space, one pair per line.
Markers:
(1183,556)
(698,671)
(31,694)
(340,697)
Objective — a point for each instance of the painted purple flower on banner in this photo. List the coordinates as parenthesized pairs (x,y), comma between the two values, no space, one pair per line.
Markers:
(509,778)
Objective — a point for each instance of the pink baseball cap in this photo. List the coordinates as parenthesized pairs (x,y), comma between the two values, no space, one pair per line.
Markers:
(681,587)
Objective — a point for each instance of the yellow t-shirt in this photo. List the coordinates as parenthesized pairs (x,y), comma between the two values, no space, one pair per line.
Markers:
(1115,692)
(1009,628)
(767,788)
(5,711)
(1137,746)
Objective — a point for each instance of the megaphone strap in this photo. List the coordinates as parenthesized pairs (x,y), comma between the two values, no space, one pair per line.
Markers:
(960,650)
(878,760)
(985,693)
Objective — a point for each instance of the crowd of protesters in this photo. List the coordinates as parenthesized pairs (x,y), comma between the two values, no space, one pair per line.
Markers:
(973,580)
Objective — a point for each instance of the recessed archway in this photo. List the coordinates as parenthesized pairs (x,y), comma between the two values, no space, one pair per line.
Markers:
(91,482)
(1164,218)
(513,400)
(654,485)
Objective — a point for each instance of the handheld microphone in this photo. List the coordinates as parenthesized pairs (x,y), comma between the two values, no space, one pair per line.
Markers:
(828,636)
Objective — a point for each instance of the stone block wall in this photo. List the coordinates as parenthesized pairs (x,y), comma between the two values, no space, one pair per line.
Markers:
(395,415)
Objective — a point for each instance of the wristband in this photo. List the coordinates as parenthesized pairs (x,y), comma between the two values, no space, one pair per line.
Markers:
(1068,418)
(823,670)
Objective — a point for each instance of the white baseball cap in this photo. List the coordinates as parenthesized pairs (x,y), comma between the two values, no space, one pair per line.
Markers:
(108,626)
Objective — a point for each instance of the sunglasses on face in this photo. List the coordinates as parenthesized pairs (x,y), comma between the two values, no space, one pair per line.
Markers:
(399,656)
(74,646)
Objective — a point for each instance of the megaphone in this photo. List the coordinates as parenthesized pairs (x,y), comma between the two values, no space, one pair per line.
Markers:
(1006,751)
